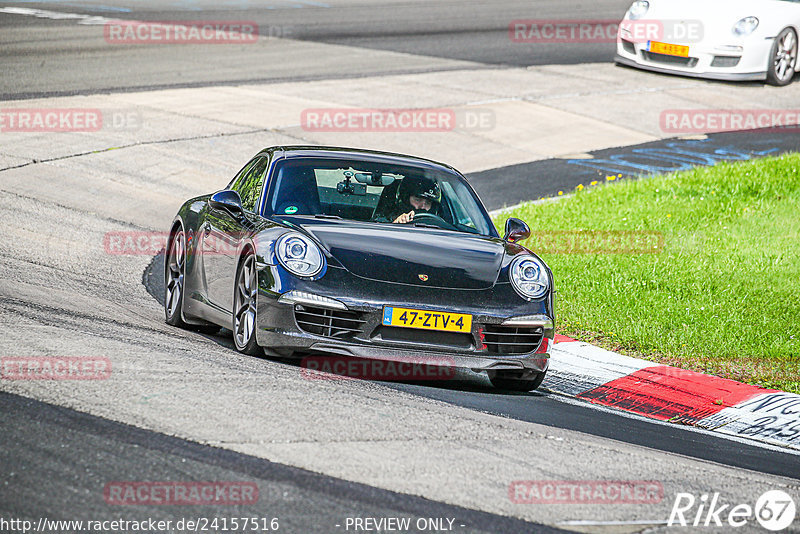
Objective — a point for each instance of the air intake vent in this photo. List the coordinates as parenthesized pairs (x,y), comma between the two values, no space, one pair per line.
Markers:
(690,62)
(628,46)
(511,340)
(725,61)
(329,323)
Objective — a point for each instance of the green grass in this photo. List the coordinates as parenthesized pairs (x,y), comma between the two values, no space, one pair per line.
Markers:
(721,296)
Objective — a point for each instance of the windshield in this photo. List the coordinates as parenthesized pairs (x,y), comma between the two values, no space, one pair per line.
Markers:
(375,192)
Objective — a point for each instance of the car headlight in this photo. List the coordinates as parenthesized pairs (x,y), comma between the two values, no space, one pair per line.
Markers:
(299,255)
(746,26)
(529,277)
(638,9)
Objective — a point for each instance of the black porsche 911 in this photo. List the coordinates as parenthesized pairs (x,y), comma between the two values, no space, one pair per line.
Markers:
(356,253)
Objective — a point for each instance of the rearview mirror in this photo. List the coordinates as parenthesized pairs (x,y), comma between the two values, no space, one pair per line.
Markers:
(516,230)
(227,200)
(374,178)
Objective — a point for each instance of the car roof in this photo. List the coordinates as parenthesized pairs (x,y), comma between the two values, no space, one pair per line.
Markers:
(372,156)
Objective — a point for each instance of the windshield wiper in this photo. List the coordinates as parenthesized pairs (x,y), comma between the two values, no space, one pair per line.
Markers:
(423,225)
(324,216)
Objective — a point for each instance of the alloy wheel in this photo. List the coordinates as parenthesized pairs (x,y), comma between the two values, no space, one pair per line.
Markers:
(785,58)
(244,318)
(176,263)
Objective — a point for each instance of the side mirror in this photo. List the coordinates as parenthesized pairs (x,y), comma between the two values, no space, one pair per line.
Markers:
(227,200)
(516,230)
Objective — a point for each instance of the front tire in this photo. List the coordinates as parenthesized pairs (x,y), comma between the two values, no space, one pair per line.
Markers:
(516,380)
(783,58)
(244,306)
(174,283)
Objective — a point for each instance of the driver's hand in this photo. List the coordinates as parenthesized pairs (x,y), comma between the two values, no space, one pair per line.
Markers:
(405,218)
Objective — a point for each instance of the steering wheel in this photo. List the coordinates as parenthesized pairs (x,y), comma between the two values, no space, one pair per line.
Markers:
(425,217)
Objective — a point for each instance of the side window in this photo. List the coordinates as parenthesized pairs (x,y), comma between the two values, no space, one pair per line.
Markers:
(249,183)
(238,178)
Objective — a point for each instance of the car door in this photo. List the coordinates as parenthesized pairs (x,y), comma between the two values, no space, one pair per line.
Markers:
(224,231)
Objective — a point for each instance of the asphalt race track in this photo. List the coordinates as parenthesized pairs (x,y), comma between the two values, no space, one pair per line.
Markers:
(184,406)
(83,449)
(475,392)
(71,58)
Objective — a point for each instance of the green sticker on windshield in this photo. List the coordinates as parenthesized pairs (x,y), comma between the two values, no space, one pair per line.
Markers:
(291,210)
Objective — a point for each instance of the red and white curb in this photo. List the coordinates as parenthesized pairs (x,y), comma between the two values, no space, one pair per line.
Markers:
(674,395)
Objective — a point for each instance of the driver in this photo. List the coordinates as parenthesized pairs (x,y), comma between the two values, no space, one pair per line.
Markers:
(416,194)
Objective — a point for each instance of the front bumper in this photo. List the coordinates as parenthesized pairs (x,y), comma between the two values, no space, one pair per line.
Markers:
(361,334)
(741,62)
(530,362)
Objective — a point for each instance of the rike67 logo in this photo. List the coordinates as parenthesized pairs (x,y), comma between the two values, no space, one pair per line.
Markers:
(774,510)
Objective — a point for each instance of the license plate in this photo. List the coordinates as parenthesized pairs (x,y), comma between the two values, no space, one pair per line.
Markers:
(669,49)
(427,320)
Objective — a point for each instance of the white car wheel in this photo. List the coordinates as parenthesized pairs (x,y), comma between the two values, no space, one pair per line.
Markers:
(783,59)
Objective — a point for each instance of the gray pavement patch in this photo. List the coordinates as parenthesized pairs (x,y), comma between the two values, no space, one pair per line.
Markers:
(153,277)
(508,186)
(64,477)
(277,78)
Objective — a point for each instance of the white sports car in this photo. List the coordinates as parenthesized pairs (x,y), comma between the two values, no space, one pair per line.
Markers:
(720,39)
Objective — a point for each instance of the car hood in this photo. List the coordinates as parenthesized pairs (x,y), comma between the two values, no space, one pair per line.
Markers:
(718,17)
(411,255)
